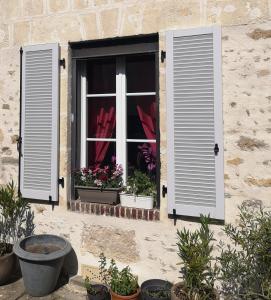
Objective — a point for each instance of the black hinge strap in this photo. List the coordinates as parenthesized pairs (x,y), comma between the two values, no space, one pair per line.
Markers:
(163,56)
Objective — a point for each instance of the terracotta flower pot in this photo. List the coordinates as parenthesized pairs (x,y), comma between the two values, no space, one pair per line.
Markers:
(7,266)
(179,285)
(115,296)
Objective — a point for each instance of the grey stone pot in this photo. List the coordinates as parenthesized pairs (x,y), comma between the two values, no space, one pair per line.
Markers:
(41,258)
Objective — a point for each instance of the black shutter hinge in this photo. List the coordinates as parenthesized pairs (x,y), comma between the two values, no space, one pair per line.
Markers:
(61,181)
(163,56)
(51,202)
(21,50)
(62,63)
(164,191)
(19,144)
(216,149)
(174,216)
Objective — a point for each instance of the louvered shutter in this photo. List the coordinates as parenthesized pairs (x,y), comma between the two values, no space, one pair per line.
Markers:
(195,123)
(39,122)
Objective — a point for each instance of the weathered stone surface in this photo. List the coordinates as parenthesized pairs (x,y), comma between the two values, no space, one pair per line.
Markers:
(58,5)
(1,135)
(114,243)
(247,143)
(235,161)
(5,106)
(10,161)
(10,9)
(257,34)
(109,22)
(32,7)
(21,33)
(4,36)
(80,4)
(14,138)
(260,182)
(90,28)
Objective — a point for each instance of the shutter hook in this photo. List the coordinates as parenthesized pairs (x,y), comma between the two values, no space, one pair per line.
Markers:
(216,149)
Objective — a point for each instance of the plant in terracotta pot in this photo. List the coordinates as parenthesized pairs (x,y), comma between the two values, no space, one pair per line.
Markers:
(123,284)
(198,274)
(99,184)
(16,221)
(95,290)
(140,191)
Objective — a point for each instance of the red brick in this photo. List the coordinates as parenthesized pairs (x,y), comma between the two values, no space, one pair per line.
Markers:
(146,214)
(98,209)
(72,206)
(82,207)
(117,211)
(93,208)
(134,213)
(77,206)
(107,210)
(112,211)
(122,212)
(139,214)
(151,214)
(157,215)
(102,209)
(87,208)
(128,213)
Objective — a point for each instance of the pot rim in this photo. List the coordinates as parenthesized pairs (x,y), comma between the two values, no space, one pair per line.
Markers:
(83,187)
(126,297)
(21,253)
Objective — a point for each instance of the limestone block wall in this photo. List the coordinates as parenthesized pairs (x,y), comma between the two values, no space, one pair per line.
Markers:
(246,68)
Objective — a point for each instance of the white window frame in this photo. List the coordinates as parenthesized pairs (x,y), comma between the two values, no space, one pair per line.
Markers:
(121,119)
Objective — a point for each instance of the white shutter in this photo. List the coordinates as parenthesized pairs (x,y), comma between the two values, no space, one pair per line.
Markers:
(195,122)
(40,122)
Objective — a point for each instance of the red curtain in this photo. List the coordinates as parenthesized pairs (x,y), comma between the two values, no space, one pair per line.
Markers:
(147,114)
(102,122)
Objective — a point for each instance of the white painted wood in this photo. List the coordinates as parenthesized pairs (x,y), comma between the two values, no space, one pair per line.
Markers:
(140,141)
(40,122)
(195,124)
(101,140)
(141,94)
(100,95)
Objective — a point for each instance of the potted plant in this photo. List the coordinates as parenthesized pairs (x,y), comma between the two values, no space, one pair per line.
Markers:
(197,273)
(155,289)
(16,221)
(123,284)
(99,184)
(140,191)
(98,291)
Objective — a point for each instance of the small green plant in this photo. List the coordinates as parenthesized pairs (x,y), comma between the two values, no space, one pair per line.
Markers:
(16,218)
(246,263)
(197,272)
(122,282)
(141,184)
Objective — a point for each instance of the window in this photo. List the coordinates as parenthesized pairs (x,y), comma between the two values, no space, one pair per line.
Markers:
(118,113)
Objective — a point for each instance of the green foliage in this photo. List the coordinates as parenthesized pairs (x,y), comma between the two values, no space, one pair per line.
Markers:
(141,184)
(246,266)
(195,250)
(122,282)
(16,217)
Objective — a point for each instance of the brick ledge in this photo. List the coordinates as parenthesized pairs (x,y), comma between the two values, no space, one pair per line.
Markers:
(115,211)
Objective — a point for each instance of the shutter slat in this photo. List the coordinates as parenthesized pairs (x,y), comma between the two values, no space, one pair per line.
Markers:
(193,66)
(40,113)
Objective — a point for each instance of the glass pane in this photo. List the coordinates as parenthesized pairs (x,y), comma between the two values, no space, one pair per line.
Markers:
(142,157)
(140,71)
(101,153)
(101,76)
(101,117)
(141,117)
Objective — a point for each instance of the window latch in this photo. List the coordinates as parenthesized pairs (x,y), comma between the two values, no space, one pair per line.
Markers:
(62,63)
(61,181)
(163,56)
(216,149)
(164,191)
(19,144)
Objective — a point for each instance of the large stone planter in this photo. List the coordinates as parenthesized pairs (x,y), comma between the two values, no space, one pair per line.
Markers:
(96,195)
(41,259)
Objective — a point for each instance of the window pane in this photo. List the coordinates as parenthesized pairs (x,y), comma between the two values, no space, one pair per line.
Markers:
(140,71)
(101,76)
(101,117)
(142,157)
(101,153)
(141,117)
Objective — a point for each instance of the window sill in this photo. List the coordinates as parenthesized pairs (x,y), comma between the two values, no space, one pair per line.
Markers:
(115,211)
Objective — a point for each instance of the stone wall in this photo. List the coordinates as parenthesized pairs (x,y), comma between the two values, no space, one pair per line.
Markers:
(246,74)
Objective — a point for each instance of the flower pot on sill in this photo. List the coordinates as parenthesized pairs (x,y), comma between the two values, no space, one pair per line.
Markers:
(130,200)
(97,195)
(115,296)
(179,286)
